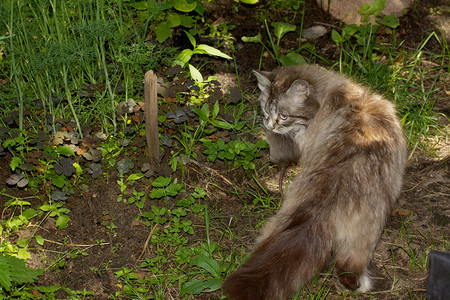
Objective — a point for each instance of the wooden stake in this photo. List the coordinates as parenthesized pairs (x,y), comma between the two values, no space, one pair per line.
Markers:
(151,116)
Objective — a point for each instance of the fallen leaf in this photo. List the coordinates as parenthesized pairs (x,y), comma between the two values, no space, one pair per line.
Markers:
(401,212)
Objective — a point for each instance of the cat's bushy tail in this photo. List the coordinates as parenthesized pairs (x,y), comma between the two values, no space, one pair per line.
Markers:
(283,262)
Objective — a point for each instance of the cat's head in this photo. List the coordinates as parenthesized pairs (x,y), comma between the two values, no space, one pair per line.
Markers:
(284,101)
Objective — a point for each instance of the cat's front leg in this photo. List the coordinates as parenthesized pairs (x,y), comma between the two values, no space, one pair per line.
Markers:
(283,152)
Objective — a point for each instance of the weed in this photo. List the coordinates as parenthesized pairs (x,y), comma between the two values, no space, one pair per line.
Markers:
(137,196)
(108,222)
(205,90)
(188,141)
(163,188)
(14,272)
(167,240)
(185,56)
(280,29)
(57,210)
(220,33)
(241,153)
(176,15)
(206,263)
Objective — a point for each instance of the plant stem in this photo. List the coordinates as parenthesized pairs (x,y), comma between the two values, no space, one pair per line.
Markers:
(69,99)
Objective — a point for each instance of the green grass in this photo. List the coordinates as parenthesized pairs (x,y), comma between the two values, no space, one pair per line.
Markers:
(57,48)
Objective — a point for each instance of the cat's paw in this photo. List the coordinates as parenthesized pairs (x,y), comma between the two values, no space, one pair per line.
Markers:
(365,283)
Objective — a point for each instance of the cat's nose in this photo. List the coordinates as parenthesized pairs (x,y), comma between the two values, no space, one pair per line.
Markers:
(269,125)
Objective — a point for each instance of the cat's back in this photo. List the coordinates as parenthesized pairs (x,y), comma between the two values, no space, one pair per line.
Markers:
(355,137)
(350,115)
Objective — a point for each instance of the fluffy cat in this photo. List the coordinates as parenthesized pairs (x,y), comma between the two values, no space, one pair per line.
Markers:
(352,152)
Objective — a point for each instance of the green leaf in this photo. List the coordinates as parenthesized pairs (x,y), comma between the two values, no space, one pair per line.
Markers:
(373,8)
(349,30)
(249,1)
(191,38)
(185,203)
(30,213)
(140,204)
(142,15)
(134,177)
(199,193)
(212,157)
(389,21)
(205,110)
(59,181)
(197,286)
(262,144)
(186,21)
(195,73)
(22,243)
(292,59)
(78,169)
(228,155)
(5,276)
(15,162)
(336,37)
(163,32)
(196,208)
(161,181)
(179,212)
(206,49)
(252,39)
(39,240)
(157,193)
(209,264)
(62,221)
(174,20)
(183,58)
(281,28)
(185,5)
(239,125)
(45,207)
(222,124)
(200,8)
(65,150)
(174,189)
(141,5)
(157,211)
(13,271)
(215,110)
(200,114)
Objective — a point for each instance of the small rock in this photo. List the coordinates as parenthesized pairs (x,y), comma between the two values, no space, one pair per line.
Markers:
(314,32)
(441,17)
(135,223)
(347,11)
(101,136)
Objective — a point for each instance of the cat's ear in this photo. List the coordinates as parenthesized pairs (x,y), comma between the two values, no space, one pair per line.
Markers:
(263,81)
(299,88)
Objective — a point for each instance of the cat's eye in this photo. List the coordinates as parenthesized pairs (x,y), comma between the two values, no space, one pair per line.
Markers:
(283,116)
